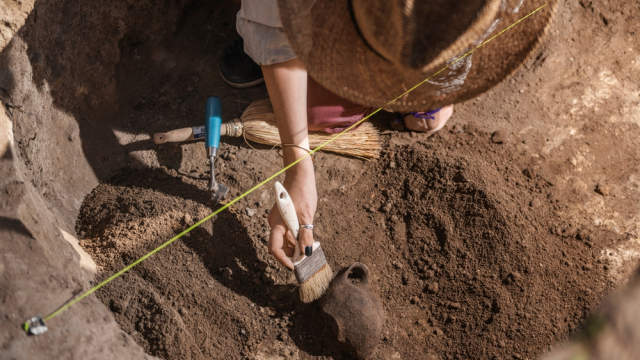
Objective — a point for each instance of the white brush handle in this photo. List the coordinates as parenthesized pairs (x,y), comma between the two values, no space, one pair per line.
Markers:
(288,213)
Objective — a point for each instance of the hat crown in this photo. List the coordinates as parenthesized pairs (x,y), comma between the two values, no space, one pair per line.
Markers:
(413,33)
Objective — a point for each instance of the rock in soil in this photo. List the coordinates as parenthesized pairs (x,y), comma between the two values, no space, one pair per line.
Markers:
(603,190)
(499,137)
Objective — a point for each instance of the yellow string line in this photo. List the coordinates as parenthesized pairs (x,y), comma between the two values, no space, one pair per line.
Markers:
(127,268)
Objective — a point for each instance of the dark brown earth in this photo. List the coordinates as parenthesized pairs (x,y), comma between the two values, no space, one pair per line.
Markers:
(465,251)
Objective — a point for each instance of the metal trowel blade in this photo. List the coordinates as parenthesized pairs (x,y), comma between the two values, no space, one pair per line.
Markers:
(219,192)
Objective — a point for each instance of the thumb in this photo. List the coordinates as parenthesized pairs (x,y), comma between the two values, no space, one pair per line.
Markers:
(305,237)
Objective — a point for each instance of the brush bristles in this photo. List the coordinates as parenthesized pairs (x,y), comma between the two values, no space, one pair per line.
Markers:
(260,126)
(313,288)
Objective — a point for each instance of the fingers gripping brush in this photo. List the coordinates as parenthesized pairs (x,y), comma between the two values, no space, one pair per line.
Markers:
(312,272)
(212,123)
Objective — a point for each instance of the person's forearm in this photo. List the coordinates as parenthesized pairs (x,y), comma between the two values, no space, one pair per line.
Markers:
(287,86)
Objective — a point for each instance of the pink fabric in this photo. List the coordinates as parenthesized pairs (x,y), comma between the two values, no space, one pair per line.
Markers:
(330,113)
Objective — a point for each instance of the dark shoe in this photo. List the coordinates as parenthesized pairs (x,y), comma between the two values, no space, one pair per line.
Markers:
(238,69)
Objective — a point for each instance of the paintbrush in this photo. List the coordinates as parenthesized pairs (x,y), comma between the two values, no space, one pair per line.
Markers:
(312,272)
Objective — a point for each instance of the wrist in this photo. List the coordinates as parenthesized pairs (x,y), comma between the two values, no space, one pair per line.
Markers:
(292,153)
(301,173)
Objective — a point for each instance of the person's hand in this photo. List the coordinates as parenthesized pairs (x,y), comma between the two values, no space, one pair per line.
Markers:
(287,86)
(301,185)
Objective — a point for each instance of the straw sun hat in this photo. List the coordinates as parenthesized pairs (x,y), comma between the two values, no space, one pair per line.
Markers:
(371,51)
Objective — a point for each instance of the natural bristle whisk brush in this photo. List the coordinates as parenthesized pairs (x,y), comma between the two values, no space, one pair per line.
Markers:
(313,273)
(258,124)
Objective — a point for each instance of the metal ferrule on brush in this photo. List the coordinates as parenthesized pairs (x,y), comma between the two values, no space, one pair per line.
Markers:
(310,265)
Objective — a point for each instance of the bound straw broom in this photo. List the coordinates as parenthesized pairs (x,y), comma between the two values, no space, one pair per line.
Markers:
(258,124)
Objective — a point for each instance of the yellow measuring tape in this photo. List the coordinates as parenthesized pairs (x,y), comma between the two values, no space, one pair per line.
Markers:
(127,268)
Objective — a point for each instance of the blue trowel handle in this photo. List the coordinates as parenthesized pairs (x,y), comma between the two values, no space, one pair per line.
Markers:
(212,122)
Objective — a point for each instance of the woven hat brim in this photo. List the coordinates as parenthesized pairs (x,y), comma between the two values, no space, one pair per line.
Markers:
(326,39)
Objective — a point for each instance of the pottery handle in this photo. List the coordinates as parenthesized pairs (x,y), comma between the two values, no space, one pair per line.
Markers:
(360,271)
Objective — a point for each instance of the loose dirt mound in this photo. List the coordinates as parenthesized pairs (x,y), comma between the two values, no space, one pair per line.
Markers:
(459,239)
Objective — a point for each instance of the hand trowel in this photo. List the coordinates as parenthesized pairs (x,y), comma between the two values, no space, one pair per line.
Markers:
(212,124)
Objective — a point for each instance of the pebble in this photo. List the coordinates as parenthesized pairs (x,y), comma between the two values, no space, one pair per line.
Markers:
(250,212)
(496,306)
(243,332)
(118,307)
(187,219)
(226,273)
(183,311)
(454,305)
(394,218)
(190,89)
(587,292)
(499,137)
(269,311)
(583,235)
(571,231)
(392,165)
(515,276)
(413,134)
(530,173)
(603,190)
(587,267)
(535,203)
(437,332)
(387,207)
(433,287)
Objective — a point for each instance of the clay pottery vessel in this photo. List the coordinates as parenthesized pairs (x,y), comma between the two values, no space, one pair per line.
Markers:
(354,312)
